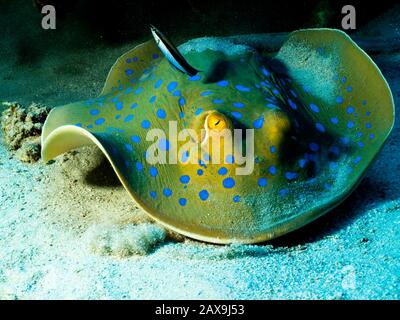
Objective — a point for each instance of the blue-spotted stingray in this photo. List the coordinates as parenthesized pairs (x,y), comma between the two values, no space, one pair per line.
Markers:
(320,110)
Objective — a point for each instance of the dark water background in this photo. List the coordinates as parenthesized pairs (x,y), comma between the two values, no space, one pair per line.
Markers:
(91,22)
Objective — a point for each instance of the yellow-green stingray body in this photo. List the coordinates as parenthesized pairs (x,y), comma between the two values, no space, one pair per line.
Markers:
(320,109)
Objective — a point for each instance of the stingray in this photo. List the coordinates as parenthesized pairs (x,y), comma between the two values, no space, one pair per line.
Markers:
(319,112)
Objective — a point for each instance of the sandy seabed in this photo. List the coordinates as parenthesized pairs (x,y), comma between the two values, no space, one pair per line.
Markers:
(69,230)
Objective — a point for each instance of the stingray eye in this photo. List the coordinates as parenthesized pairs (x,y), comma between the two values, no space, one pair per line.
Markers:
(216,121)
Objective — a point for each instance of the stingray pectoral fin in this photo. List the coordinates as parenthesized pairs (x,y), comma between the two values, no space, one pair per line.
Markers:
(62,130)
(340,89)
(66,138)
(132,65)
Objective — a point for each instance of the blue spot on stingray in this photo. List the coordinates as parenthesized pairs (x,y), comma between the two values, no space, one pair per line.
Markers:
(291,175)
(368,125)
(350,109)
(218,101)
(265,72)
(236,114)
(349,89)
(242,88)
(203,194)
(371,136)
(78,125)
(128,147)
(197,77)
(368,113)
(314,147)
(128,72)
(182,101)
(134,105)
(344,79)
(99,121)
(153,194)
(129,90)
(258,123)
(198,111)
(135,59)
(139,166)
(128,60)
(272,149)
(167,192)
(185,156)
(283,192)
(272,170)
(320,127)
(119,105)
(135,139)
(200,172)
(262,182)
(145,124)
(222,171)
(161,113)
(222,83)
(182,202)
(345,140)
(334,150)
(163,144)
(333,165)
(238,104)
(206,93)
(334,120)
(350,124)
(158,84)
(236,198)
(310,157)
(302,163)
(276,92)
(364,102)
(181,115)
(230,159)
(152,99)
(292,104)
(360,144)
(339,99)
(184,179)
(155,56)
(357,159)
(228,183)
(94,112)
(314,107)
(177,93)
(153,171)
(138,90)
(89,126)
(306,89)
(172,86)
(202,164)
(128,118)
